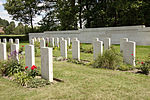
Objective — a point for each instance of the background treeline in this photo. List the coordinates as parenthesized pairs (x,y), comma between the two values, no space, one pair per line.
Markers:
(75,14)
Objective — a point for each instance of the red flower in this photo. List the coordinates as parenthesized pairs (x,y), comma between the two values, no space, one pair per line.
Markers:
(132,54)
(22,45)
(32,68)
(142,63)
(26,67)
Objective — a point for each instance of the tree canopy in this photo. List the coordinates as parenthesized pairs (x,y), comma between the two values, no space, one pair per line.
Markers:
(75,14)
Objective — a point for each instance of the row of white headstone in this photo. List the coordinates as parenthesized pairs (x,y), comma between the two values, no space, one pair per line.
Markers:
(46,57)
(52,41)
(14,48)
(63,46)
(128,48)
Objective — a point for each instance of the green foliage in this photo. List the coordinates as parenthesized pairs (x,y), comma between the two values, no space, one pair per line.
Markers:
(10,67)
(22,78)
(145,68)
(10,28)
(8,46)
(34,71)
(89,50)
(110,59)
(37,46)
(37,82)
(3,23)
(82,62)
(124,67)
(22,10)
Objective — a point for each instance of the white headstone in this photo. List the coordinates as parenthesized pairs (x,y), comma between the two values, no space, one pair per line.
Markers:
(107,43)
(68,41)
(122,40)
(3,51)
(42,43)
(61,39)
(57,42)
(47,41)
(52,42)
(38,39)
(15,51)
(47,63)
(129,52)
(35,39)
(74,39)
(97,48)
(76,49)
(11,41)
(32,42)
(17,41)
(29,56)
(63,48)
(4,40)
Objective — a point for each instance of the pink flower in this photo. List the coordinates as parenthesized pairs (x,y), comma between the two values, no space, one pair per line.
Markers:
(132,54)
(142,62)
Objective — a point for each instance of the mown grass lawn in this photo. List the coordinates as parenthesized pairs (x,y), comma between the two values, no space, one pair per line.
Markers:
(84,82)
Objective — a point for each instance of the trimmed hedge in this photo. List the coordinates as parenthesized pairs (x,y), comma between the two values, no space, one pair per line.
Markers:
(22,38)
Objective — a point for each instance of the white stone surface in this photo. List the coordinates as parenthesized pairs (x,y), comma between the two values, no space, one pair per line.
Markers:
(15,51)
(122,40)
(75,38)
(97,48)
(76,49)
(38,39)
(29,56)
(11,41)
(42,43)
(107,43)
(4,40)
(63,48)
(68,41)
(52,42)
(139,34)
(3,51)
(47,41)
(17,42)
(57,42)
(32,42)
(47,63)
(129,50)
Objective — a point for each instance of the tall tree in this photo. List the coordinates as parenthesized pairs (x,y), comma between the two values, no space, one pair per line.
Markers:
(23,10)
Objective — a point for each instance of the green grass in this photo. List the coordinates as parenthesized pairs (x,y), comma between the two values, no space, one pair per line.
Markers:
(12,35)
(84,82)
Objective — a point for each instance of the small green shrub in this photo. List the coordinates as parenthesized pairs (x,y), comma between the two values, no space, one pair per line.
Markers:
(21,49)
(22,78)
(8,68)
(125,67)
(89,50)
(78,62)
(37,82)
(32,72)
(110,59)
(37,44)
(11,66)
(145,67)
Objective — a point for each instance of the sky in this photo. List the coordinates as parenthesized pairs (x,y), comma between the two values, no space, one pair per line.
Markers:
(4,14)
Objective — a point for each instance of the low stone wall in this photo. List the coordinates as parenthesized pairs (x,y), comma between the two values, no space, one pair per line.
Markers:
(140,34)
